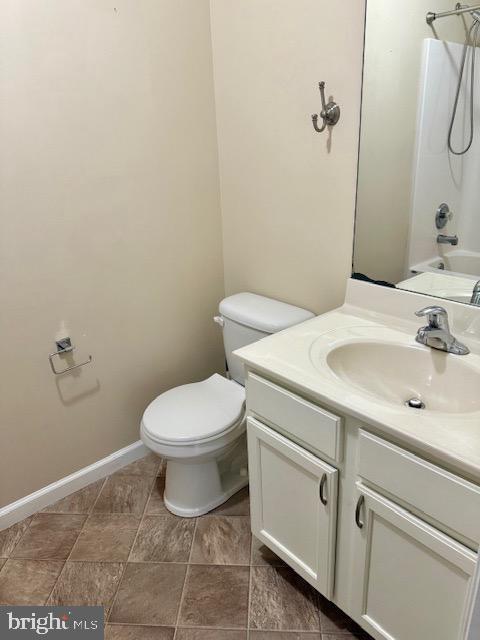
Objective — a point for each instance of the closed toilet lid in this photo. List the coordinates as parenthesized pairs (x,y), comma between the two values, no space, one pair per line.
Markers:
(195,411)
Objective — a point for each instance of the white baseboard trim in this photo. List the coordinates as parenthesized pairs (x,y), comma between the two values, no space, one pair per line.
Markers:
(20,509)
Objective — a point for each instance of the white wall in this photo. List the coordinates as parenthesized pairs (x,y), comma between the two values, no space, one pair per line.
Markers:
(110,226)
(288,193)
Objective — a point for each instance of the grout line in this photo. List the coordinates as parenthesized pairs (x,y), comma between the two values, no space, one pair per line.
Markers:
(87,518)
(340,633)
(180,604)
(79,534)
(166,562)
(169,626)
(249,585)
(142,517)
(30,518)
(56,581)
(125,564)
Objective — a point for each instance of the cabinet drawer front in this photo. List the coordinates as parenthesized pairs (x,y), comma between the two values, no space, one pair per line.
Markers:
(293,499)
(448,499)
(303,421)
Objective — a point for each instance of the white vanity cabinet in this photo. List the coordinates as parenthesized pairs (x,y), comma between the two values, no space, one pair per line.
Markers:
(293,497)
(404,562)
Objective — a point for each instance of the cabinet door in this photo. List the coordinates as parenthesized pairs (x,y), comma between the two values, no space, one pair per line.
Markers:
(293,497)
(410,581)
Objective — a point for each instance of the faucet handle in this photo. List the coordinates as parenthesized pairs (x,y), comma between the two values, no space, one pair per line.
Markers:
(433,310)
(437,316)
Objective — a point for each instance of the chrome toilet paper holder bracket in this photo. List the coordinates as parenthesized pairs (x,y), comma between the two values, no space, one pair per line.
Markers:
(64,346)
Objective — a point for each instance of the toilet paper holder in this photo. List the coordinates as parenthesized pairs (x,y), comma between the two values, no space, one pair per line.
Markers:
(64,346)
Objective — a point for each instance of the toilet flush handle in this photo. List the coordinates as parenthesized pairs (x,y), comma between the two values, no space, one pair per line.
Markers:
(219,320)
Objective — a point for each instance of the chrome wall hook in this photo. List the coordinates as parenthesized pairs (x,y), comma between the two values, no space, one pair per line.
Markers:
(65,346)
(330,113)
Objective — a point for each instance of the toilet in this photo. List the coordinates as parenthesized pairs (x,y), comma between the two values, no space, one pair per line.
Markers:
(200,428)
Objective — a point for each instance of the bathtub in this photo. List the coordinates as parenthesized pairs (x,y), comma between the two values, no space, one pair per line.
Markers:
(458,262)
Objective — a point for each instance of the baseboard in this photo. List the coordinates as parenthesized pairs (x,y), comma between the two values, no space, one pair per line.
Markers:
(20,509)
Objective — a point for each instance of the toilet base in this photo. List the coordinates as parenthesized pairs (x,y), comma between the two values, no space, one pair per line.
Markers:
(195,488)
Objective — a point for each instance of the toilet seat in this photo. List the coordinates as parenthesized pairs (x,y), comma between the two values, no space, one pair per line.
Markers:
(195,413)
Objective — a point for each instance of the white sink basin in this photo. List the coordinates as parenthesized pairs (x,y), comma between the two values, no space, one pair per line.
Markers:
(393,369)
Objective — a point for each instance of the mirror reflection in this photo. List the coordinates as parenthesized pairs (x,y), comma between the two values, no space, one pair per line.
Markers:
(418,204)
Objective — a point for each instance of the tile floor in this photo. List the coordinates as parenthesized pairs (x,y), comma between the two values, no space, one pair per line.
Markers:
(160,577)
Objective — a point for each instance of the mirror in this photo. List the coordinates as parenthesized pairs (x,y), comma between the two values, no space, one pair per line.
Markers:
(418,201)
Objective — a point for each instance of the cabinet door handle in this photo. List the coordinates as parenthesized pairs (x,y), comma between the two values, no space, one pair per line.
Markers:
(358,509)
(323,483)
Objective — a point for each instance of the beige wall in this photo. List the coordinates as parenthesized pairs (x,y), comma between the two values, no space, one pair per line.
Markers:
(393,51)
(287,193)
(110,226)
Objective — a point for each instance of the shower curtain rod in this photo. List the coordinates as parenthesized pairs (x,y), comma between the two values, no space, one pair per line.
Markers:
(459,9)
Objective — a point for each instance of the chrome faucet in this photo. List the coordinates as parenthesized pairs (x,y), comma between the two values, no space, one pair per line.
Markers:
(437,333)
(476,294)
(442,239)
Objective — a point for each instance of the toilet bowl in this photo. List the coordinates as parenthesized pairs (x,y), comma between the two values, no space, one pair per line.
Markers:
(199,428)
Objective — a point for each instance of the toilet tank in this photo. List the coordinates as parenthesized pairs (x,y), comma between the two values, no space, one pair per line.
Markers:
(247,317)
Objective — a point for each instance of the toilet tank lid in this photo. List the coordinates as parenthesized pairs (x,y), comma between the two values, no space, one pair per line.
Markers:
(263,314)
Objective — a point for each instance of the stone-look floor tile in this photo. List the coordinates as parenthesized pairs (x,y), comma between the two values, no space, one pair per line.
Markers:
(163,539)
(138,632)
(149,594)
(156,506)
(106,537)
(124,494)
(87,584)
(28,582)
(2,562)
(50,535)
(210,634)
(9,538)
(146,466)
(237,505)
(79,502)
(215,597)
(284,635)
(334,621)
(222,540)
(281,600)
(263,556)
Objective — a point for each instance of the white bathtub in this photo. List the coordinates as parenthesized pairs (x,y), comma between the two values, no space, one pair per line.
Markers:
(458,262)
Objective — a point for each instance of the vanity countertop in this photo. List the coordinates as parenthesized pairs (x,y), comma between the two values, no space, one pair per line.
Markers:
(296,358)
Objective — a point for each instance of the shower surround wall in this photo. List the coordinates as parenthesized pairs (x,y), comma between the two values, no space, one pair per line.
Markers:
(393,53)
(440,176)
